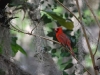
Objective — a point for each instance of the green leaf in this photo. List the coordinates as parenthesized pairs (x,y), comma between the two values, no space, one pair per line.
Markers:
(61,1)
(64,53)
(0,50)
(73,73)
(46,19)
(53,51)
(49,5)
(68,66)
(42,2)
(2,72)
(15,47)
(21,49)
(60,20)
(13,40)
(64,73)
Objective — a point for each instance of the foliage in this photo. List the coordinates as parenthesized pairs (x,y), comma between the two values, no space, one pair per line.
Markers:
(60,20)
(60,53)
(51,16)
(15,47)
(86,18)
(2,72)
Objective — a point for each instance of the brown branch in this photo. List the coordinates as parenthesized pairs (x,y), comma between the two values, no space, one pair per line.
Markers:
(79,10)
(37,24)
(86,38)
(97,45)
(93,13)
(48,40)
(29,33)
(90,50)
(77,60)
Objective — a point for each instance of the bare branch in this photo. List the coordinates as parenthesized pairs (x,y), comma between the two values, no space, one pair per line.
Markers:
(97,45)
(52,41)
(93,13)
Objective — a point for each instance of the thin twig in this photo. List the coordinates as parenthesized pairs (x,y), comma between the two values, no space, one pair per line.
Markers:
(93,13)
(34,27)
(48,40)
(52,41)
(99,28)
(76,59)
(37,25)
(91,54)
(29,33)
(83,31)
(97,45)
(80,16)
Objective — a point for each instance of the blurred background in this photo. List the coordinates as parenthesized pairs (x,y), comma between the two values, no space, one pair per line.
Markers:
(28,19)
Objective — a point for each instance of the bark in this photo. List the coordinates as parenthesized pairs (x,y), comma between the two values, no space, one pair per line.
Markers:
(6,66)
(10,68)
(80,69)
(43,62)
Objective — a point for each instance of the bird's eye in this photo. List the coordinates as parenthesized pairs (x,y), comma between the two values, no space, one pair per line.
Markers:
(57,30)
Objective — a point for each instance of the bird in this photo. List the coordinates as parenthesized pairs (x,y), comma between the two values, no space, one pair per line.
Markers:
(63,39)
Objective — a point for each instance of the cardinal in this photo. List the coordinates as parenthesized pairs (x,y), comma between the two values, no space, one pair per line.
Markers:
(63,39)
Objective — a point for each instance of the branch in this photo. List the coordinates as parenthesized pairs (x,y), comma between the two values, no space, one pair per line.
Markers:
(97,45)
(30,33)
(80,56)
(39,21)
(79,10)
(49,40)
(93,13)
(77,60)
(86,38)
(92,57)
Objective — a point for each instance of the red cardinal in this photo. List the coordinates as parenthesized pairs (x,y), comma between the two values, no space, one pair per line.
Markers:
(63,39)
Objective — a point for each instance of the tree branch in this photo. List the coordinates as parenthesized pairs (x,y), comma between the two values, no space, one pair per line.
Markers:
(49,40)
(86,38)
(93,13)
(97,45)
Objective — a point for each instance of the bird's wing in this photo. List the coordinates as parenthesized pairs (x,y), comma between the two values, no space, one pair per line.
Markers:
(62,39)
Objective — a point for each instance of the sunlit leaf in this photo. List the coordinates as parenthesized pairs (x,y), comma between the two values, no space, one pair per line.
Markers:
(21,49)
(60,20)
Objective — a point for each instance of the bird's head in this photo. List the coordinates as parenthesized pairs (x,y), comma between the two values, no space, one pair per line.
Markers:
(58,29)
